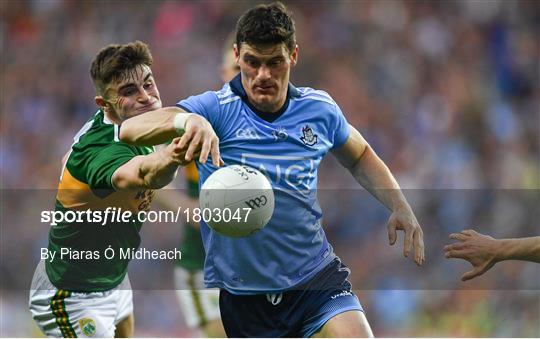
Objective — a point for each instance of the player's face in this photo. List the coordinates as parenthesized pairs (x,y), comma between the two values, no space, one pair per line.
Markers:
(265,74)
(134,94)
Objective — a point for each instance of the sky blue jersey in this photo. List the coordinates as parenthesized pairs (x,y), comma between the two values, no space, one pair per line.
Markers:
(287,146)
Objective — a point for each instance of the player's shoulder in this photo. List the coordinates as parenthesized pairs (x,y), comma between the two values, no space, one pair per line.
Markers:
(226,95)
(97,131)
(98,134)
(218,98)
(312,94)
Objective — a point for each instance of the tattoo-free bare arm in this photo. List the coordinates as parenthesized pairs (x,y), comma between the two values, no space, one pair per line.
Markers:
(371,172)
(151,128)
(160,126)
(527,249)
(483,251)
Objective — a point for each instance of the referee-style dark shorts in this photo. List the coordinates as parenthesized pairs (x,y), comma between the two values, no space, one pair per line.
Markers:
(299,312)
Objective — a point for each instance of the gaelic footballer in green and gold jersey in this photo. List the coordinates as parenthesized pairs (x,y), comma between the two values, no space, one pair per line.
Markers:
(86,183)
(80,291)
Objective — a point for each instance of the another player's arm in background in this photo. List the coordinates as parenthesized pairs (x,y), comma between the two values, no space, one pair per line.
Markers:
(483,251)
(154,170)
(371,172)
(162,125)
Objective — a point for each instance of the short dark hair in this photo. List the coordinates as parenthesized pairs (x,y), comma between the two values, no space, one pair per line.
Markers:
(266,25)
(115,62)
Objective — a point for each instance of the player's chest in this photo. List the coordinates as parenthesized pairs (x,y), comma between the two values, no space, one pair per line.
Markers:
(287,152)
(285,136)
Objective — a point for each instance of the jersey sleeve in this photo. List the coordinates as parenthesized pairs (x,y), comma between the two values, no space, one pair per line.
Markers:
(341,131)
(206,105)
(104,162)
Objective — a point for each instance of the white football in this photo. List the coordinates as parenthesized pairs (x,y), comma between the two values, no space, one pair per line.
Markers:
(236,201)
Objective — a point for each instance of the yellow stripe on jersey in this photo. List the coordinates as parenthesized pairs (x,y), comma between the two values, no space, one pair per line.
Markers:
(75,194)
(191,172)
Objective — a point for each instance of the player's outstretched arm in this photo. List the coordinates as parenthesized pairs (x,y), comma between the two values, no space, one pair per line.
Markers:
(151,128)
(371,172)
(155,170)
(483,251)
(162,125)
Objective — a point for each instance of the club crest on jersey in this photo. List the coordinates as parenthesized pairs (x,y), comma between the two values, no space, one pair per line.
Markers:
(88,326)
(308,137)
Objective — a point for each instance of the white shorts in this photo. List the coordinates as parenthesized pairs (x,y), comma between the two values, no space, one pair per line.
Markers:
(61,313)
(199,305)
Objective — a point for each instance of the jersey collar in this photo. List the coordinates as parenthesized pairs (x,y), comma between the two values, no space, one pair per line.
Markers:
(238,89)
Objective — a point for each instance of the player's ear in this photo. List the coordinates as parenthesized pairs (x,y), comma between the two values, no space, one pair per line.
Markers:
(236,53)
(100,101)
(294,56)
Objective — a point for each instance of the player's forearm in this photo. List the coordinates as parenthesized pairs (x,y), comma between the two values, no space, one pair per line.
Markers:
(159,170)
(373,174)
(152,171)
(519,249)
(151,128)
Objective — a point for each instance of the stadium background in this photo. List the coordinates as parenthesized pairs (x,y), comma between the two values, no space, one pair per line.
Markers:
(447,92)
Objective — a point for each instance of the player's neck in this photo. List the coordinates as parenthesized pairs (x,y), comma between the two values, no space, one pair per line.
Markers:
(111,117)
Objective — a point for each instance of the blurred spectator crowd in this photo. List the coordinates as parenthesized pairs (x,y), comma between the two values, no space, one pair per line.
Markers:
(446,92)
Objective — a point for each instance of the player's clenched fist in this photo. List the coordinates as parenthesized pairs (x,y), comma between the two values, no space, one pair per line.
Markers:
(404,219)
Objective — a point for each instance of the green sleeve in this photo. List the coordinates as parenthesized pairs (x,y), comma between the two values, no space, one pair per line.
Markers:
(105,161)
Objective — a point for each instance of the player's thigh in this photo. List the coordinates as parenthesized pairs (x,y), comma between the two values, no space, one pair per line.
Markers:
(124,309)
(350,324)
(125,328)
(124,321)
(199,306)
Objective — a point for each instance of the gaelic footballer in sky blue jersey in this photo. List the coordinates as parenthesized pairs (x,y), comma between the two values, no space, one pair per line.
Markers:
(265,122)
(289,149)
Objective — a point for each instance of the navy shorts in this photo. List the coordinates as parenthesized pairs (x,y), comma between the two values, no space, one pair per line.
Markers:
(299,312)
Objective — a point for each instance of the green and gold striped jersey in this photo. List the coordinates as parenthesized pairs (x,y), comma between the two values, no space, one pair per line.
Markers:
(80,262)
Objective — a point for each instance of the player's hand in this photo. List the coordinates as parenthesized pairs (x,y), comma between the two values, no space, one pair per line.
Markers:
(199,136)
(404,219)
(177,153)
(478,249)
